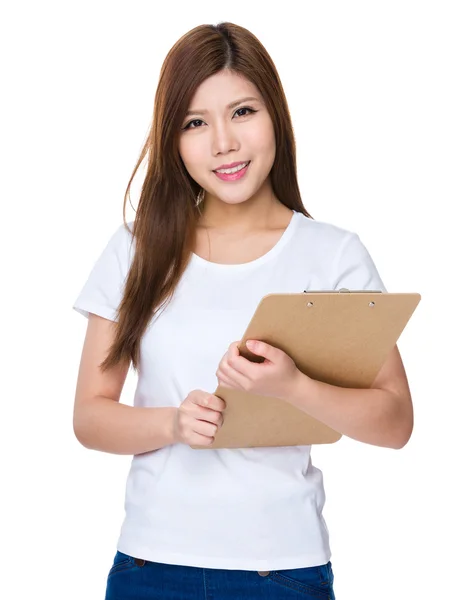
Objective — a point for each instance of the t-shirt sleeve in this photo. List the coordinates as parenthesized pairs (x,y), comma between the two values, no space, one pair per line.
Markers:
(354,268)
(103,290)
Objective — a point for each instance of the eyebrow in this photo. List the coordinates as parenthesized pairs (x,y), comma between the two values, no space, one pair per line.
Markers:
(197,111)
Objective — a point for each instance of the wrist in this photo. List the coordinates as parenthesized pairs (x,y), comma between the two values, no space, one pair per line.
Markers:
(295,389)
(170,425)
(306,394)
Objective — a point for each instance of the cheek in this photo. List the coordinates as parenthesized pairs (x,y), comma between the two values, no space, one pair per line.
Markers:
(190,155)
(262,140)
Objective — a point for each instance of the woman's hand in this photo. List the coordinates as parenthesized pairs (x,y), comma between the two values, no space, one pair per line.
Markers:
(275,377)
(198,419)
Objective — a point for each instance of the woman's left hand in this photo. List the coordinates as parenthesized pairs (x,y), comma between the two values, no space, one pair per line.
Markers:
(274,377)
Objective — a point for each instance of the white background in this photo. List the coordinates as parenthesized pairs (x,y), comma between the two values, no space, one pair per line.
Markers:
(380,96)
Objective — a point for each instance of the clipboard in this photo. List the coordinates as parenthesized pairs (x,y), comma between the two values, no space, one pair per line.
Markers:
(339,337)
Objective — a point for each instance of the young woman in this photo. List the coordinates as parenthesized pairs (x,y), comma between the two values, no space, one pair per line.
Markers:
(220,223)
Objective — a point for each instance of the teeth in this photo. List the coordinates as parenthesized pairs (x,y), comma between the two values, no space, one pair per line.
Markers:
(234,169)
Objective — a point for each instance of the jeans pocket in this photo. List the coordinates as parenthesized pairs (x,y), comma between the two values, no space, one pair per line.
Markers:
(121,562)
(315,582)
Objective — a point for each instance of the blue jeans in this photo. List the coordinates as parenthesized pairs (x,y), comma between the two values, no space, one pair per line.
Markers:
(138,579)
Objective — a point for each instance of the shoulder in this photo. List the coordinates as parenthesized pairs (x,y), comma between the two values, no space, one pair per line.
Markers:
(122,236)
(121,244)
(341,255)
(324,234)
(337,255)
(123,233)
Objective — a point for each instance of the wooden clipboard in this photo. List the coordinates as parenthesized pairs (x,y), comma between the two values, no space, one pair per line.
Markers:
(339,337)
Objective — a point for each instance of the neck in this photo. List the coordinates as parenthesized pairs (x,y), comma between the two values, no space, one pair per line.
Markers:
(262,211)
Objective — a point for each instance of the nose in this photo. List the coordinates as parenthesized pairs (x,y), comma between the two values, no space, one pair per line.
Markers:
(224,139)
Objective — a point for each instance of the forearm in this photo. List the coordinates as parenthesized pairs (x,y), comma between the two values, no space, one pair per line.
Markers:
(108,426)
(372,416)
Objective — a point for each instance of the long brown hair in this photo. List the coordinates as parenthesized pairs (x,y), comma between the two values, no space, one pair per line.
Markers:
(167,215)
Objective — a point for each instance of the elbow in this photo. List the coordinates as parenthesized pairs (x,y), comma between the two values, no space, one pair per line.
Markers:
(403,434)
(79,428)
(79,436)
(401,443)
(402,420)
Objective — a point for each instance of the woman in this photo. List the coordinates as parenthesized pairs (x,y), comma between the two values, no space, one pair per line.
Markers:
(220,223)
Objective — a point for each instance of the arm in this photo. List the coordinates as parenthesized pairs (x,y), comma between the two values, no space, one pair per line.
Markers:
(108,426)
(381,415)
(100,421)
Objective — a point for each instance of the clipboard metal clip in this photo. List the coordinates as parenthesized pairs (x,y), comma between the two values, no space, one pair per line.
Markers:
(343,291)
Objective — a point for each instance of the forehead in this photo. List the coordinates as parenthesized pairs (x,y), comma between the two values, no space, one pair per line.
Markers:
(222,88)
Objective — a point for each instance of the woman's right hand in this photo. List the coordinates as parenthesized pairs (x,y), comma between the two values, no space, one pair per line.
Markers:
(198,419)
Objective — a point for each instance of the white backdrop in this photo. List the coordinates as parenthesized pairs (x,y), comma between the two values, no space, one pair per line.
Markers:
(380,95)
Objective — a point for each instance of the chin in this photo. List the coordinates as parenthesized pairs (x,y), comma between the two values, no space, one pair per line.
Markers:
(229,196)
(237,199)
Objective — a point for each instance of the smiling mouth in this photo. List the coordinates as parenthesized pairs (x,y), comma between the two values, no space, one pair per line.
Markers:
(237,174)
(233,170)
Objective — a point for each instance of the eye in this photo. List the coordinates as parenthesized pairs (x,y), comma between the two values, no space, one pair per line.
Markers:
(188,126)
(194,121)
(246,108)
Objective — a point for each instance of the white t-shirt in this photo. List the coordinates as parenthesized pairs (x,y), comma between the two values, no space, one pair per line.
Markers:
(251,508)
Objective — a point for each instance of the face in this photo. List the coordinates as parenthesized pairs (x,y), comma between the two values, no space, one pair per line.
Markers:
(229,123)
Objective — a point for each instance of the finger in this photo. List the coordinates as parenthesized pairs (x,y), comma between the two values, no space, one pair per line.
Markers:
(202,440)
(223,370)
(205,428)
(238,368)
(216,403)
(233,350)
(239,377)
(225,382)
(270,353)
(223,378)
(209,401)
(206,414)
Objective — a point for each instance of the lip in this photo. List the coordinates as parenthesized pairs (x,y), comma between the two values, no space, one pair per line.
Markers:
(233,176)
(231,165)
